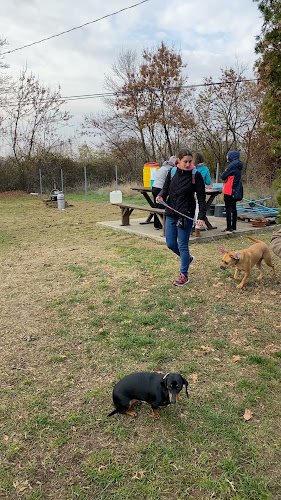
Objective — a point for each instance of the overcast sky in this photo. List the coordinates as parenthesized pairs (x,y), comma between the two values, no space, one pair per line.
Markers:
(211,34)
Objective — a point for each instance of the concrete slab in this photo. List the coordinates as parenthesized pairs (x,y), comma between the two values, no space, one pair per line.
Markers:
(148,231)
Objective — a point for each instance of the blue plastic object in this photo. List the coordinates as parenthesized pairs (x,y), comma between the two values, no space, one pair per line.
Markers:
(253,206)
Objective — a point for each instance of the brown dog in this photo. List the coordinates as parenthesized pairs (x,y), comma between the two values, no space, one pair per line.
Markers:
(244,260)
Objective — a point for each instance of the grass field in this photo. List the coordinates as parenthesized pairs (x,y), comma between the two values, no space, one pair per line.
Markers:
(81,306)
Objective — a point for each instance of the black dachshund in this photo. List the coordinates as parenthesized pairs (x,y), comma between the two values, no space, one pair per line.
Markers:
(155,388)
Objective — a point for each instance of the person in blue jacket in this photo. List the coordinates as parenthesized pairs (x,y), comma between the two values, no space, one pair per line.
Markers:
(199,163)
(232,176)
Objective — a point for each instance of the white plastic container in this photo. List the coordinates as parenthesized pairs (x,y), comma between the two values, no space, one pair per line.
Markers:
(60,201)
(115,197)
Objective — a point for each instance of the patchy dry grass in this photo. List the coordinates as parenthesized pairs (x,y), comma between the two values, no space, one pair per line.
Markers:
(81,306)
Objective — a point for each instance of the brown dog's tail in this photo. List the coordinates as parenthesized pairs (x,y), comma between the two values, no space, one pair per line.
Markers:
(254,239)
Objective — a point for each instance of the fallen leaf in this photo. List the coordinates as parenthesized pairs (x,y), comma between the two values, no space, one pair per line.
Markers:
(236,358)
(273,293)
(101,467)
(248,414)
(219,283)
(194,377)
(139,474)
(21,486)
(218,296)
(206,349)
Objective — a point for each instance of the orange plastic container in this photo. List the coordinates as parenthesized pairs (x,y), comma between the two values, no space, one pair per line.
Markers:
(149,170)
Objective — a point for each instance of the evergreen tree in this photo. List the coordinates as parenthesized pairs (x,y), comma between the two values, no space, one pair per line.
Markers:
(269,67)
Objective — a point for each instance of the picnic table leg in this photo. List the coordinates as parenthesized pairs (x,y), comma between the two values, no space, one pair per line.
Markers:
(125,215)
(208,204)
(148,220)
(164,224)
(151,203)
(208,224)
(148,199)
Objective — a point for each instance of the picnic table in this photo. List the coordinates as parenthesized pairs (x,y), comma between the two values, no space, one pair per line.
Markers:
(210,196)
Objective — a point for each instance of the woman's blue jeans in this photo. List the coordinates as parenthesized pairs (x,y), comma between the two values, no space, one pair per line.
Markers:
(177,240)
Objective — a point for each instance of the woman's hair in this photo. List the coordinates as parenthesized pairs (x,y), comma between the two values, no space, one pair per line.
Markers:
(184,152)
(198,158)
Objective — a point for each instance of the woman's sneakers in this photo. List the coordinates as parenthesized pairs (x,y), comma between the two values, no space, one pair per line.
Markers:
(191,259)
(182,280)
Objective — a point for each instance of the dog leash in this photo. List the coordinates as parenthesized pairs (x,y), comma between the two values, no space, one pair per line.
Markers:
(162,202)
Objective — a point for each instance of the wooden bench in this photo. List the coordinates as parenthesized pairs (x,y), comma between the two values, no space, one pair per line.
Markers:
(127,209)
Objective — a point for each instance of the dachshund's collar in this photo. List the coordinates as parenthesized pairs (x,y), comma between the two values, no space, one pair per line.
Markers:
(165,376)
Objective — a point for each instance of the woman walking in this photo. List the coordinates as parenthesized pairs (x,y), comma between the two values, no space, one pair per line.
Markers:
(232,175)
(178,191)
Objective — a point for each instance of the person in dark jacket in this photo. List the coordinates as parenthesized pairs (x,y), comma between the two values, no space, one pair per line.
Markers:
(178,191)
(232,175)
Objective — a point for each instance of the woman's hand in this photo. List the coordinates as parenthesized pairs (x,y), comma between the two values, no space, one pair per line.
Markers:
(159,199)
(200,223)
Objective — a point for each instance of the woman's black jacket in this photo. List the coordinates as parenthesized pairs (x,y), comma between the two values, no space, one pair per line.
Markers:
(178,192)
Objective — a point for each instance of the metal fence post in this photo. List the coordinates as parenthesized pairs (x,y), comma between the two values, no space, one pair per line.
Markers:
(85,175)
(40,179)
(217,178)
(217,172)
(61,176)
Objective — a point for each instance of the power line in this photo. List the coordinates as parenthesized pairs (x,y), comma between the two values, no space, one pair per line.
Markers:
(138,91)
(152,89)
(76,28)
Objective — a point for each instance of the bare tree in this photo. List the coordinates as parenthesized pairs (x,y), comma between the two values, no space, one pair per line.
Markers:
(227,115)
(35,119)
(150,102)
